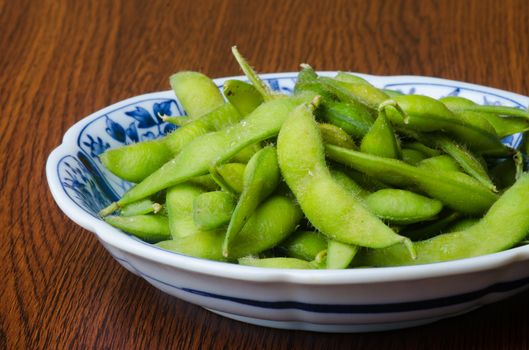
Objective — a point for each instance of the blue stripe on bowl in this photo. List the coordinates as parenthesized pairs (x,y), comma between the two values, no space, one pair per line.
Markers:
(501,287)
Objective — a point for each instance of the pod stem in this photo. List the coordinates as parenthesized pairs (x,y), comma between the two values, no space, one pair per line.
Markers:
(250,73)
(392,103)
(410,247)
(109,210)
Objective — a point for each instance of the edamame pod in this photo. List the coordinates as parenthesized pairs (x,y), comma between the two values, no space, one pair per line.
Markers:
(242,96)
(212,210)
(304,245)
(489,235)
(197,93)
(468,162)
(442,162)
(402,207)
(355,120)
(230,176)
(381,140)
(261,178)
(179,202)
(136,161)
(340,255)
(335,136)
(302,163)
(143,207)
(412,156)
(457,190)
(216,147)
(270,224)
(277,263)
(367,93)
(149,228)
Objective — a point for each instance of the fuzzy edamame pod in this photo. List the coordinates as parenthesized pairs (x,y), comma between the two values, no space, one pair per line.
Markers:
(179,202)
(197,93)
(229,176)
(490,235)
(270,224)
(504,126)
(212,210)
(367,93)
(211,149)
(142,207)
(402,207)
(242,96)
(339,255)
(412,156)
(261,177)
(136,161)
(354,119)
(335,136)
(468,162)
(442,162)
(456,190)
(277,263)
(149,228)
(304,245)
(425,114)
(381,140)
(302,163)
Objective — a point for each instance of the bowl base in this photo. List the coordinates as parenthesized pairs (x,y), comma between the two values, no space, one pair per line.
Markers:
(328,328)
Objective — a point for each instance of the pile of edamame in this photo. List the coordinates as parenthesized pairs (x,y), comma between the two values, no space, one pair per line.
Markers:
(338,175)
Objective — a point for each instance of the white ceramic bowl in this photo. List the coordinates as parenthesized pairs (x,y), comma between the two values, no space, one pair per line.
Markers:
(357,300)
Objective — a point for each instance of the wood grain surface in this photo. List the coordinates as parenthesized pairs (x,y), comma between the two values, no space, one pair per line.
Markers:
(61,60)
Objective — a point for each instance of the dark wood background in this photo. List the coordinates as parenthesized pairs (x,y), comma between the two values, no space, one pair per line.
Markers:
(62,60)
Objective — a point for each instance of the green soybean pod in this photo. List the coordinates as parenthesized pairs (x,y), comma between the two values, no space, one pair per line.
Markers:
(412,156)
(381,140)
(442,162)
(425,230)
(502,125)
(356,120)
(402,207)
(197,93)
(149,228)
(456,190)
(489,235)
(349,184)
(261,177)
(136,161)
(142,207)
(360,87)
(302,162)
(421,147)
(425,114)
(271,223)
(230,176)
(304,245)
(462,224)
(179,202)
(210,149)
(335,136)
(242,96)
(468,162)
(212,210)
(276,263)
(340,255)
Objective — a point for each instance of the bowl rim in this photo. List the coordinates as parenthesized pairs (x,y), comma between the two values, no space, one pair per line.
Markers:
(134,246)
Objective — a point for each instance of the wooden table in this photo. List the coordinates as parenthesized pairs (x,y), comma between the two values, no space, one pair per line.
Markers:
(62,60)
